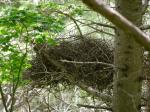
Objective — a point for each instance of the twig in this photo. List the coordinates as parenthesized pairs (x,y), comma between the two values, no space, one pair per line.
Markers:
(15,85)
(99,24)
(98,30)
(104,25)
(72,79)
(95,107)
(3,98)
(95,62)
(93,91)
(145,27)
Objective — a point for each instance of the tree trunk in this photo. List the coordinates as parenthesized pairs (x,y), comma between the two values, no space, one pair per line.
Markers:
(128,60)
(147,109)
(147,73)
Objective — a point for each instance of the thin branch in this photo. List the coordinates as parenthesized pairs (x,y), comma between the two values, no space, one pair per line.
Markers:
(72,79)
(95,107)
(145,27)
(15,84)
(3,98)
(99,24)
(104,25)
(78,27)
(28,104)
(98,30)
(96,62)
(120,21)
(75,22)
(93,91)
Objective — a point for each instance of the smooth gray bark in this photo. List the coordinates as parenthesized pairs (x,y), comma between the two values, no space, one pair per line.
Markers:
(147,73)
(128,56)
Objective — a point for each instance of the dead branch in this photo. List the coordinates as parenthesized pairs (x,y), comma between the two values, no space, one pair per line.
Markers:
(95,107)
(96,62)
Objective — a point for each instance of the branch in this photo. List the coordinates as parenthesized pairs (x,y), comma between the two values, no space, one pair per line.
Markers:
(104,25)
(145,27)
(100,24)
(95,107)
(96,62)
(96,29)
(72,79)
(78,27)
(120,21)
(3,98)
(93,91)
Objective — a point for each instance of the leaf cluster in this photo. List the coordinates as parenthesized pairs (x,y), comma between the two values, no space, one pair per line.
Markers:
(23,26)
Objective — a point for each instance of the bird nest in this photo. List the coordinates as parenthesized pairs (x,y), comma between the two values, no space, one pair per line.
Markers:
(86,60)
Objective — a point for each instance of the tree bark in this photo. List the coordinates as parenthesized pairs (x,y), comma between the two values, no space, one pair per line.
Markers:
(128,56)
(147,73)
(147,109)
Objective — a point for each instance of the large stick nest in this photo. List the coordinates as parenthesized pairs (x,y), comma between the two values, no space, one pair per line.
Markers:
(48,68)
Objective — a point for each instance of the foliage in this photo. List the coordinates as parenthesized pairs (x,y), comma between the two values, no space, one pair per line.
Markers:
(23,26)
(26,25)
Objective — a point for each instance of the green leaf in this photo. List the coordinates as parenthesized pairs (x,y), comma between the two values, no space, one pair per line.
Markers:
(51,41)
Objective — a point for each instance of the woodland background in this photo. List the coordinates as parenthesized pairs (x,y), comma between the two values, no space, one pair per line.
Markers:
(62,56)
